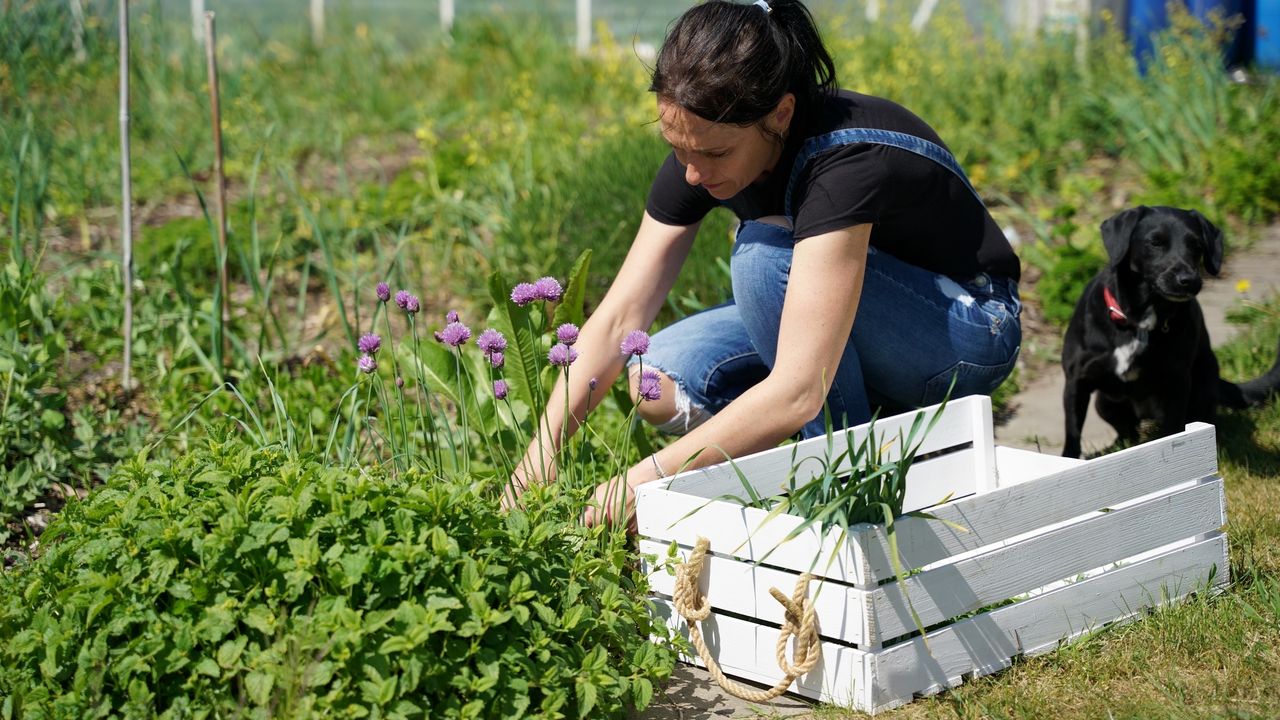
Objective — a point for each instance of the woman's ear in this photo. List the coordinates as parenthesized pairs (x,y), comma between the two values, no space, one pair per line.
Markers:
(783,114)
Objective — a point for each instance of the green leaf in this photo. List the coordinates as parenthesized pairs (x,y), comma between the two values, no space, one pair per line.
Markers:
(523,347)
(207,666)
(586,698)
(570,309)
(230,652)
(641,692)
(259,686)
(52,420)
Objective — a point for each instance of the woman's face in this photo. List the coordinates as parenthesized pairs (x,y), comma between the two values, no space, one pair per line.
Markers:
(724,159)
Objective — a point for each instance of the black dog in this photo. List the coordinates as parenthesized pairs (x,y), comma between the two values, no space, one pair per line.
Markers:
(1138,337)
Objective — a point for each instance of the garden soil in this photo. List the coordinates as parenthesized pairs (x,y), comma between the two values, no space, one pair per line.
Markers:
(1034,422)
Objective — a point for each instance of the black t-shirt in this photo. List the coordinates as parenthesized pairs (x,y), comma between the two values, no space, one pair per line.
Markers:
(920,211)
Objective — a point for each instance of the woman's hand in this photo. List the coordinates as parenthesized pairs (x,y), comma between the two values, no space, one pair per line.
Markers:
(613,502)
(511,492)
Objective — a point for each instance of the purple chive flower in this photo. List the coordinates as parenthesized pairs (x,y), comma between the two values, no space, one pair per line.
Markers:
(649,387)
(497,359)
(399,382)
(451,317)
(370,344)
(367,364)
(500,389)
(562,355)
(407,302)
(523,294)
(384,292)
(567,333)
(547,288)
(593,383)
(635,343)
(491,341)
(454,334)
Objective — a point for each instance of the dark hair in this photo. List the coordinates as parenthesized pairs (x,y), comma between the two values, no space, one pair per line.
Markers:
(732,62)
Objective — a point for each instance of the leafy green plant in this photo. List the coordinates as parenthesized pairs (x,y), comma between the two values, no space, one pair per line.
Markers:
(238,580)
(35,433)
(1062,284)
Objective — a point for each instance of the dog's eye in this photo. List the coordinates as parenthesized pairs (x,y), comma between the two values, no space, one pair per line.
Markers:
(1158,241)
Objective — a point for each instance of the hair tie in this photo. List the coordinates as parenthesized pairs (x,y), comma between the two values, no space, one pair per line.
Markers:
(764,5)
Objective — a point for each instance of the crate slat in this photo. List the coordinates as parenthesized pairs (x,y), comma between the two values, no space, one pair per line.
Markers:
(767,471)
(1016,466)
(743,588)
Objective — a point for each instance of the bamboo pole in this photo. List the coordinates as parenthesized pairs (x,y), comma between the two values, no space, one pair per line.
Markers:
(922,15)
(317,21)
(873,10)
(77,30)
(126,199)
(1084,22)
(584,25)
(211,54)
(446,15)
(197,21)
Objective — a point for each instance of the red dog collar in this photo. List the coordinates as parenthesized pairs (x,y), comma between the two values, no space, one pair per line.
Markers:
(1113,307)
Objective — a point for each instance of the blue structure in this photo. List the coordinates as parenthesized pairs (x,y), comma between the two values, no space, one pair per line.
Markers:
(1266,34)
(1147,18)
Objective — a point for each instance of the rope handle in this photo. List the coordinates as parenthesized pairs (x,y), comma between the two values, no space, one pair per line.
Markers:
(799,620)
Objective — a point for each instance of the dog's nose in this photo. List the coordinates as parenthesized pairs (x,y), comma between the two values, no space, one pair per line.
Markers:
(1188,281)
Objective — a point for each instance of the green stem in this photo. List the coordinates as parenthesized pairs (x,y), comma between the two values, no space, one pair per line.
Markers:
(395,368)
(428,423)
(462,409)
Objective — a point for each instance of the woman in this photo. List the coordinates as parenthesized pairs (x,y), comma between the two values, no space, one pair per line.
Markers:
(866,270)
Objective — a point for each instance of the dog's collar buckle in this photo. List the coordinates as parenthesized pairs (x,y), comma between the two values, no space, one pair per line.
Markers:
(1113,307)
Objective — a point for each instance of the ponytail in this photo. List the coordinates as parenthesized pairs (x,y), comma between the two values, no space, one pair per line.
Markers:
(732,62)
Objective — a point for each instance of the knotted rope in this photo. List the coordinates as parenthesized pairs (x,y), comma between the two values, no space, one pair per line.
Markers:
(799,621)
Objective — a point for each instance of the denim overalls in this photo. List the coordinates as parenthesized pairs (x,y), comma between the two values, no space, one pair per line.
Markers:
(914,330)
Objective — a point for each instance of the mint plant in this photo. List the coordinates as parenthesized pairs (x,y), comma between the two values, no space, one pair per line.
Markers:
(236,580)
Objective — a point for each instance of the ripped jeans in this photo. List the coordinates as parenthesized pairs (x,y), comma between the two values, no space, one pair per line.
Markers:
(913,332)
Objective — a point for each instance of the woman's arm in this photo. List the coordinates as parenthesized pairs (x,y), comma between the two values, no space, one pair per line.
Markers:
(631,303)
(817,316)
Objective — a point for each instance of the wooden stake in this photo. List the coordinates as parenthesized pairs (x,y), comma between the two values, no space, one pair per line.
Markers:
(126,199)
(211,54)
(77,30)
(584,26)
(446,15)
(317,21)
(197,21)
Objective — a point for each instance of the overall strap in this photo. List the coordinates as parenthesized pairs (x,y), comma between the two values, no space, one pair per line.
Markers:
(849,136)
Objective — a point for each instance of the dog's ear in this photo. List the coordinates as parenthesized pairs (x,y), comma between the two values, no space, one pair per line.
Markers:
(1211,236)
(1116,231)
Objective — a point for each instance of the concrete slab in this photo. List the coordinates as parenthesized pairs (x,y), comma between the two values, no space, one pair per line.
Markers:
(693,695)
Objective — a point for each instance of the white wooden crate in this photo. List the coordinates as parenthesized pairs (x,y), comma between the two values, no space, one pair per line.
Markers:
(1059,546)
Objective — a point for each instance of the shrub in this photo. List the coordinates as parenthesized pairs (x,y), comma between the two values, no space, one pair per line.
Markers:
(35,435)
(238,581)
(1060,288)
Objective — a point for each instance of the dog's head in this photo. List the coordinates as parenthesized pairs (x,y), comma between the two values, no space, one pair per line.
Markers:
(1166,247)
